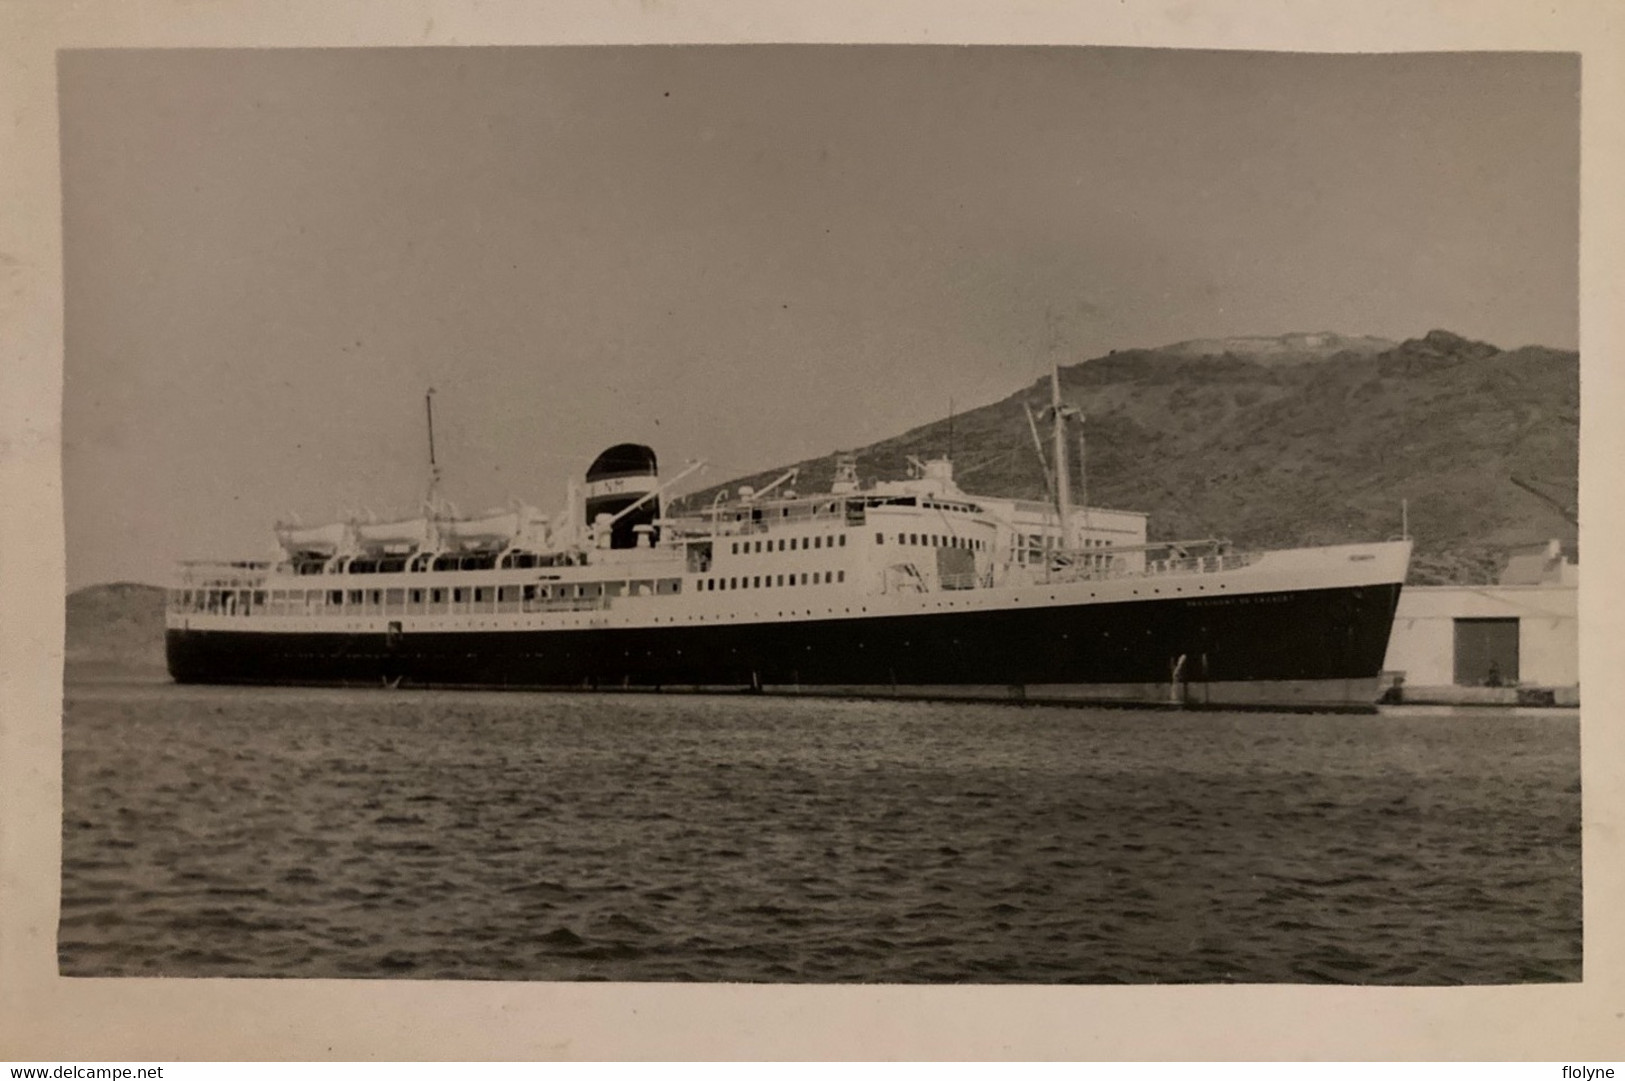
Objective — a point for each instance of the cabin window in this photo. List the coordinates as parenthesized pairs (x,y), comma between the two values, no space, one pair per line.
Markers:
(733,583)
(803,577)
(843,540)
(458,593)
(818,542)
(841,576)
(756,583)
(735,548)
(880,538)
(815,578)
(353,597)
(781,544)
(781,579)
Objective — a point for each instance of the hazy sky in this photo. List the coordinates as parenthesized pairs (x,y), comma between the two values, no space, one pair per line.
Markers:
(750,254)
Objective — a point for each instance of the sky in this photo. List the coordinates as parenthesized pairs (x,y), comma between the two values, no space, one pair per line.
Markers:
(750,255)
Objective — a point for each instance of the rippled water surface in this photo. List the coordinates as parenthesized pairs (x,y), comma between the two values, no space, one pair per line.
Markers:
(316,833)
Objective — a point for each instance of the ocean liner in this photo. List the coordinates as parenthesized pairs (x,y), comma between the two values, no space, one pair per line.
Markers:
(907,587)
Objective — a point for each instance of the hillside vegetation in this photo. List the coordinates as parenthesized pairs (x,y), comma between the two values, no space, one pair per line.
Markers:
(1305,439)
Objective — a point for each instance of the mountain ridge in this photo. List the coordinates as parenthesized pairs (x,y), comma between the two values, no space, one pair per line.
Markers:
(1322,450)
(1294,347)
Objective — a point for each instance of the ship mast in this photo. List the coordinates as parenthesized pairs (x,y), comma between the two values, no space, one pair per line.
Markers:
(1083,472)
(434,466)
(1063,479)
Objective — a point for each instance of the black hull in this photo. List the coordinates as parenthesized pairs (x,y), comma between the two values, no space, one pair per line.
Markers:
(1299,649)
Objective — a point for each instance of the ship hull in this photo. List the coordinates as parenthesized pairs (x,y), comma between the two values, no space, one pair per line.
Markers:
(1318,649)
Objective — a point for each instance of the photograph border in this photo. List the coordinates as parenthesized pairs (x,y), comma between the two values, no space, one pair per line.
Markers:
(46,1017)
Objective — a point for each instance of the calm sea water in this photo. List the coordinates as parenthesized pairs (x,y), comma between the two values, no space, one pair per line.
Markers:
(317,833)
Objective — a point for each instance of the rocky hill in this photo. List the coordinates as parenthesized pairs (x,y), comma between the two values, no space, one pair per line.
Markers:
(115,630)
(1305,439)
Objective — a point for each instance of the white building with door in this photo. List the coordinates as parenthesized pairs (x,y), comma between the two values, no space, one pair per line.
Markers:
(1506,643)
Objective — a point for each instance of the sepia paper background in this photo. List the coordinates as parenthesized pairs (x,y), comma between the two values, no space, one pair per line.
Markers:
(46,1018)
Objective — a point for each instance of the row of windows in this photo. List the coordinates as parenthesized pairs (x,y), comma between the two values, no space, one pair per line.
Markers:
(770,581)
(427,561)
(1042,540)
(935,540)
(297,601)
(796,544)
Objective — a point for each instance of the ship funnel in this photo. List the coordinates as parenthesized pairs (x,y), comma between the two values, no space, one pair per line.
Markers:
(618,478)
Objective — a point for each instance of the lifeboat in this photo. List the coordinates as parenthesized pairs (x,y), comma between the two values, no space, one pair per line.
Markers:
(491,531)
(324,540)
(409,534)
(496,529)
